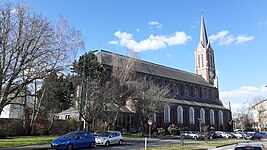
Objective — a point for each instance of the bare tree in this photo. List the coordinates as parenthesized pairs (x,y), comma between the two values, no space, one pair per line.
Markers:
(30,48)
(244,118)
(150,97)
(122,80)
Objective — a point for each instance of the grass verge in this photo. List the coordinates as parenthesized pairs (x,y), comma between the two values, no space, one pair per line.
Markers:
(26,140)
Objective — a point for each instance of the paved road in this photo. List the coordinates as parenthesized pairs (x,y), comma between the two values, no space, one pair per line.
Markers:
(134,144)
(129,144)
(231,147)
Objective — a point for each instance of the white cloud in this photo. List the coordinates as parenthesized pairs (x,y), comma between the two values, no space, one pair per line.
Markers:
(113,42)
(215,37)
(245,92)
(137,30)
(152,42)
(155,23)
(243,38)
(224,38)
(242,98)
(169,55)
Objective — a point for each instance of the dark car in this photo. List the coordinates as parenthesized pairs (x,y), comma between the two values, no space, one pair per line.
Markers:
(249,146)
(72,140)
(253,136)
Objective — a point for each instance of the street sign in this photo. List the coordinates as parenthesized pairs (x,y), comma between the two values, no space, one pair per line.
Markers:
(150,122)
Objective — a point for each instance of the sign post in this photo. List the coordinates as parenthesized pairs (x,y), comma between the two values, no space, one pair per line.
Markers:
(150,122)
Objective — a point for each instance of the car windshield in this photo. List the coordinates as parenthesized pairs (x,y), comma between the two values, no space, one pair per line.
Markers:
(68,135)
(105,134)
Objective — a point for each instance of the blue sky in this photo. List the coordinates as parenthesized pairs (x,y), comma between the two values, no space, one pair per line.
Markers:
(166,32)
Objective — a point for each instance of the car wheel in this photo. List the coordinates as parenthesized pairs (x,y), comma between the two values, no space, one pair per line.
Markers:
(69,147)
(195,137)
(92,145)
(120,142)
(107,143)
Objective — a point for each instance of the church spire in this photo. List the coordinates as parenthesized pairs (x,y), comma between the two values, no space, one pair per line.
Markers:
(204,58)
(203,34)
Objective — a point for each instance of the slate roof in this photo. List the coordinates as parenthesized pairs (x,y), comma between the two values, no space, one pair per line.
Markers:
(155,69)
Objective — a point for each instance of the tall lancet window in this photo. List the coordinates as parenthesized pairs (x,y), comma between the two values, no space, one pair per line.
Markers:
(202,60)
(212,121)
(220,117)
(191,115)
(180,114)
(202,116)
(167,114)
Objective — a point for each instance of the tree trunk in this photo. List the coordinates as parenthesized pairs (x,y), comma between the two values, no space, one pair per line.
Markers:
(1,109)
(116,117)
(34,116)
(51,123)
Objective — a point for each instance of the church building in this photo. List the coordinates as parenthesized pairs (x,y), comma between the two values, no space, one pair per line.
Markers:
(194,96)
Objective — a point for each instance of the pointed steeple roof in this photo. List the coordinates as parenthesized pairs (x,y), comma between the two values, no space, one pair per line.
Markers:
(203,33)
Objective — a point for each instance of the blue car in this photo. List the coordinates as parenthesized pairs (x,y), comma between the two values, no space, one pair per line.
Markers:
(73,140)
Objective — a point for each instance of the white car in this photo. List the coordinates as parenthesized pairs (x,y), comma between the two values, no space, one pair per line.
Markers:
(237,134)
(109,137)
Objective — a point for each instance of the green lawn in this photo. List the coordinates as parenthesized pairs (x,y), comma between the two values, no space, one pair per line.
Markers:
(26,140)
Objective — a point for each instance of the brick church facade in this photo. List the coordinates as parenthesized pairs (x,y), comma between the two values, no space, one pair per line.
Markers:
(194,96)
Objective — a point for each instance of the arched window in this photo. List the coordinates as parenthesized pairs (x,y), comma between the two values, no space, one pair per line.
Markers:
(167,112)
(212,122)
(220,117)
(202,60)
(202,116)
(180,114)
(204,93)
(198,58)
(191,115)
(186,90)
(154,117)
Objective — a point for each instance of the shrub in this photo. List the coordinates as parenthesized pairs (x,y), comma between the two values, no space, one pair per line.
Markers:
(72,124)
(11,127)
(172,129)
(60,127)
(114,128)
(161,131)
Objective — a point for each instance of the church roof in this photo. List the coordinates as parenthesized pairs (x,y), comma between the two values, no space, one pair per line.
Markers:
(156,70)
(203,34)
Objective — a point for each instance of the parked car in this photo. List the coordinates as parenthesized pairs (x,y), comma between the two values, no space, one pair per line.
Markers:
(109,137)
(237,135)
(215,134)
(263,134)
(250,146)
(73,140)
(253,136)
(190,134)
(225,134)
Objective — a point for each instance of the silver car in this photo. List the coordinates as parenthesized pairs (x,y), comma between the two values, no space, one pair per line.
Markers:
(250,146)
(109,137)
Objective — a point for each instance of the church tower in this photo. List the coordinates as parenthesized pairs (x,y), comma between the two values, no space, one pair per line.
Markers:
(204,58)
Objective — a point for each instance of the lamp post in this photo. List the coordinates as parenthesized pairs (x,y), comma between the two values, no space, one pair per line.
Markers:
(199,120)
